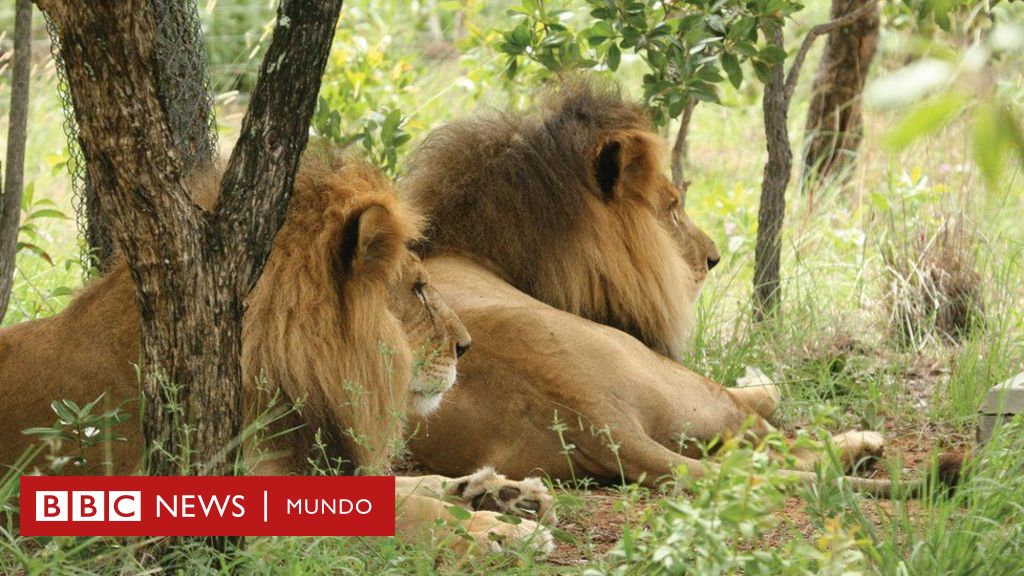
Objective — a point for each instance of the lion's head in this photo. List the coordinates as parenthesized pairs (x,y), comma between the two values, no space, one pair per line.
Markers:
(570,204)
(344,319)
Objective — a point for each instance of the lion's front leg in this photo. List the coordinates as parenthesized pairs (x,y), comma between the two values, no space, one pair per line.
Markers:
(486,490)
(416,521)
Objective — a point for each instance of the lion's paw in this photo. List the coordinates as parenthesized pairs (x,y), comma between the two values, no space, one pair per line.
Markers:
(858,446)
(485,489)
(500,536)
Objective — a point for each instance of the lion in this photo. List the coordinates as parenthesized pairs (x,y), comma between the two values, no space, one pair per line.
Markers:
(562,245)
(343,325)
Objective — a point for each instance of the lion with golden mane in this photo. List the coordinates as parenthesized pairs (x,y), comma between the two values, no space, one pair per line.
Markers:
(563,247)
(343,325)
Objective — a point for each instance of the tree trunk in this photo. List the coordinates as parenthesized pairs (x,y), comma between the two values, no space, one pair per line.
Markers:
(192,268)
(834,122)
(184,92)
(772,212)
(17,132)
(184,87)
(681,151)
(97,232)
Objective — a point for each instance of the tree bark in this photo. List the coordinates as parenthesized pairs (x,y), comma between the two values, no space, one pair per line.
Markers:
(98,239)
(183,91)
(834,121)
(184,87)
(772,211)
(192,268)
(681,151)
(17,132)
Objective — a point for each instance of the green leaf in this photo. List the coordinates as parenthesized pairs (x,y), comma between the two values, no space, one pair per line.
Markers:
(390,124)
(772,55)
(614,57)
(761,70)
(741,28)
(460,513)
(709,74)
(676,104)
(62,412)
(746,49)
(511,67)
(41,432)
(602,28)
(991,141)
(47,213)
(731,65)
(924,120)
(35,250)
(520,34)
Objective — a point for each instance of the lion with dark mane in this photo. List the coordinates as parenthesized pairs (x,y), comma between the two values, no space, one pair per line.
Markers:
(343,326)
(559,241)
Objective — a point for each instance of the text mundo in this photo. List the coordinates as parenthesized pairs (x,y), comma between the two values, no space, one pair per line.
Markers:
(200,506)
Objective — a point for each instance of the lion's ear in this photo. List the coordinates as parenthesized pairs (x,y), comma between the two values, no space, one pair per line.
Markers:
(372,244)
(627,160)
(608,168)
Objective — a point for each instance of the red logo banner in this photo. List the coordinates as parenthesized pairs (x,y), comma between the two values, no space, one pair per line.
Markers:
(207,506)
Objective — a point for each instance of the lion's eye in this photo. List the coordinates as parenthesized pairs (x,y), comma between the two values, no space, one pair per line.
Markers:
(674,212)
(418,289)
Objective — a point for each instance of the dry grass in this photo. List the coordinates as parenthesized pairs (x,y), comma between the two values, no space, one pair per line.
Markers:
(932,287)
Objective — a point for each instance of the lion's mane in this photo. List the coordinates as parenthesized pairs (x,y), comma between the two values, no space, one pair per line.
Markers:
(530,196)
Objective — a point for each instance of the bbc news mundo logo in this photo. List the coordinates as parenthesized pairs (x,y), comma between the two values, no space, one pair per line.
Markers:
(207,506)
(88,506)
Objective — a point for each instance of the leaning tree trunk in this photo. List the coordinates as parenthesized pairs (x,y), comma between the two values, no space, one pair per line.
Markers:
(192,268)
(183,90)
(772,211)
(17,131)
(834,122)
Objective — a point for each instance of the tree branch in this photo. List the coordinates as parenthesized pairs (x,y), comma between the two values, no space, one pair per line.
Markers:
(679,149)
(812,35)
(258,181)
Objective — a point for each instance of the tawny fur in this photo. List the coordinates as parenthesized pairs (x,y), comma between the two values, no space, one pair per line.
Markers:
(309,327)
(557,238)
(339,313)
(520,193)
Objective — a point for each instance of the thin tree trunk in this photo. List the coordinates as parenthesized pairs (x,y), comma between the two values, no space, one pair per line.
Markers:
(681,151)
(834,121)
(778,94)
(772,211)
(192,268)
(17,132)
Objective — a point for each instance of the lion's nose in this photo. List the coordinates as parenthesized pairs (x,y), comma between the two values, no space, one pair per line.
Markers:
(712,262)
(460,349)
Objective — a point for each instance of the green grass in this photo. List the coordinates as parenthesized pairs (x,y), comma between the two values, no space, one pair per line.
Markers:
(832,349)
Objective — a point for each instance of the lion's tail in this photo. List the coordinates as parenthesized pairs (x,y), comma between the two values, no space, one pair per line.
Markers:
(944,477)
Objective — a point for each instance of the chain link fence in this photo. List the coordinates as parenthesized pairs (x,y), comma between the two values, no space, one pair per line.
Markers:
(185,92)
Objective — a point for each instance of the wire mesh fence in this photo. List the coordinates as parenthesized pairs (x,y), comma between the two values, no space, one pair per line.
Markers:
(184,86)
